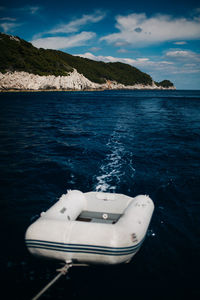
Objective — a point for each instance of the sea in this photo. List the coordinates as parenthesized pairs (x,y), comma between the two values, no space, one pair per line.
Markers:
(129,142)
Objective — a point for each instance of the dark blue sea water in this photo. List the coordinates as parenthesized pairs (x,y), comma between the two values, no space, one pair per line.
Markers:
(130,142)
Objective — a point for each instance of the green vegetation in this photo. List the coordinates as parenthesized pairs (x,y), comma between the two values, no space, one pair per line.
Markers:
(165,84)
(18,55)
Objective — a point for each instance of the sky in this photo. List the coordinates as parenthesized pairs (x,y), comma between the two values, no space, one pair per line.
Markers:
(161,38)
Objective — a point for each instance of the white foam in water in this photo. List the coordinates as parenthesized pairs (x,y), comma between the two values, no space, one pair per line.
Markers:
(151,232)
(72,180)
(113,166)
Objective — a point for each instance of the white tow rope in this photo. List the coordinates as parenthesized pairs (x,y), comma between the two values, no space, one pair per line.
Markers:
(62,271)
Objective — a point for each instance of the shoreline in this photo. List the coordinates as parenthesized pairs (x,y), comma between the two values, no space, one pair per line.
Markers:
(49,90)
(85,90)
(27,82)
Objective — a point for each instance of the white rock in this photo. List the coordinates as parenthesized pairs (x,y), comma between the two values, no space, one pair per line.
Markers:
(74,81)
(14,38)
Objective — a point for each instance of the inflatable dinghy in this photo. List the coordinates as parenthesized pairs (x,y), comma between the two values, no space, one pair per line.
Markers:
(91,228)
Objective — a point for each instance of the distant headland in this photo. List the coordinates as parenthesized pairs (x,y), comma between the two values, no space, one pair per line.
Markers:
(25,67)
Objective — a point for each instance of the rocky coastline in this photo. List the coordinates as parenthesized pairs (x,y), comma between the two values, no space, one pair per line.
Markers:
(23,81)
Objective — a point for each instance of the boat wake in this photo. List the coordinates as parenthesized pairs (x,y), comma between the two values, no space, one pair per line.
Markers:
(117,165)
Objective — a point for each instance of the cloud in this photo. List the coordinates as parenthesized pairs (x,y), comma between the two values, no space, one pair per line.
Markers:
(64,42)
(106,58)
(70,27)
(180,43)
(9,27)
(95,49)
(120,44)
(8,19)
(143,62)
(34,9)
(9,24)
(75,25)
(184,61)
(139,30)
(122,50)
(29,9)
(183,55)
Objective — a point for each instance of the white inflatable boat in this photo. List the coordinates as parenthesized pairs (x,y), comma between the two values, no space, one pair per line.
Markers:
(91,228)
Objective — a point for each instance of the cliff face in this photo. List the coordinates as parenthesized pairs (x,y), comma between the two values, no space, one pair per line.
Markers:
(74,81)
(27,81)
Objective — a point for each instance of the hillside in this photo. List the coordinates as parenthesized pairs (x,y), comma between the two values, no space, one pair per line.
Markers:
(165,84)
(18,55)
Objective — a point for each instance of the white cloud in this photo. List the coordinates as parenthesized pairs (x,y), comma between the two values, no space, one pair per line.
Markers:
(70,27)
(64,42)
(120,44)
(8,19)
(122,50)
(185,61)
(106,58)
(139,30)
(9,27)
(95,49)
(75,25)
(34,9)
(143,62)
(183,55)
(9,24)
(29,9)
(180,43)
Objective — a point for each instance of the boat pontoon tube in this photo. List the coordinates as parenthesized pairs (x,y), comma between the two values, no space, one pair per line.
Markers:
(92,228)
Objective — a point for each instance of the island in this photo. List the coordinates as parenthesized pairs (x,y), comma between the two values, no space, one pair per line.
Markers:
(25,67)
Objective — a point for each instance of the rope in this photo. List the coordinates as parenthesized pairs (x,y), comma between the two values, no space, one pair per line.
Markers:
(62,271)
